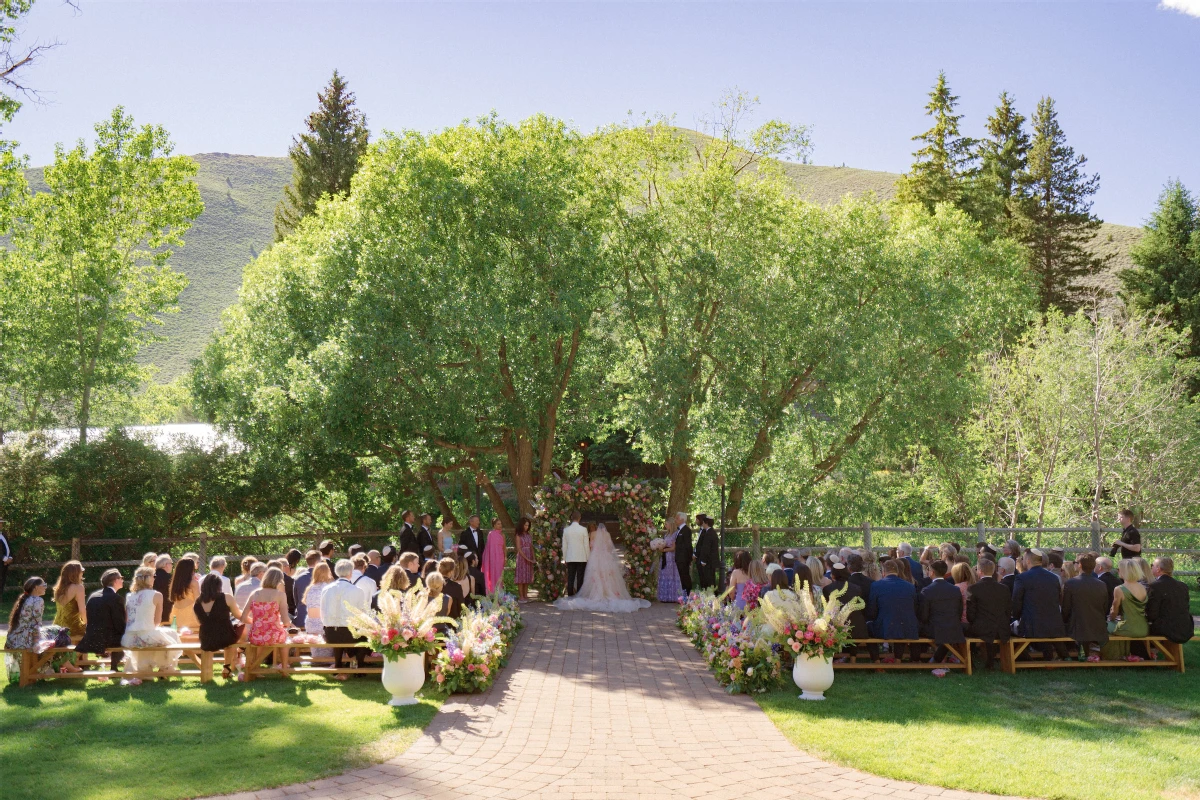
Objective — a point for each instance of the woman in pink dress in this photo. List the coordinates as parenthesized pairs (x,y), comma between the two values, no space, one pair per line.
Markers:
(524,546)
(493,557)
(268,607)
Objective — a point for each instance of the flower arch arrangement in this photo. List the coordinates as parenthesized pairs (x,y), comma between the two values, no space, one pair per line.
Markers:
(632,500)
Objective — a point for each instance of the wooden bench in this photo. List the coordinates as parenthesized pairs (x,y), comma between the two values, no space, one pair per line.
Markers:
(33,664)
(1168,654)
(288,661)
(961,651)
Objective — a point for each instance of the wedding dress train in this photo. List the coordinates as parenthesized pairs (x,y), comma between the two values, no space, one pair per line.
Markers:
(604,586)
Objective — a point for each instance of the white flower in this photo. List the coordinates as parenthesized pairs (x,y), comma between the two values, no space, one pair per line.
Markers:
(749,670)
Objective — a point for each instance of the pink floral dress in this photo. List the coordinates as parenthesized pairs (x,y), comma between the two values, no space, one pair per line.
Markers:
(524,559)
(267,628)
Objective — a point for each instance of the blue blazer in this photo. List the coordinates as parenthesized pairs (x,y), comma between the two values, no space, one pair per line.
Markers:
(892,609)
(1036,595)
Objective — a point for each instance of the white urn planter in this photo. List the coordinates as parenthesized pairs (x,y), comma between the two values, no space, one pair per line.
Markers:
(404,677)
(813,676)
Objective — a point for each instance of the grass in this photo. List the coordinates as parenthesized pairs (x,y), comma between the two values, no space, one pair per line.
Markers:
(168,740)
(1074,733)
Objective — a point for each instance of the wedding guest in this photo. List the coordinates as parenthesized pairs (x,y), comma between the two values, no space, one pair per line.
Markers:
(430,567)
(941,611)
(1036,593)
(162,584)
(842,580)
(300,588)
(433,591)
(267,607)
(1144,566)
(215,609)
(446,540)
(408,533)
(105,613)
(184,589)
(670,586)
(904,550)
(336,616)
(1128,611)
(69,600)
(464,576)
(325,548)
(359,577)
(6,557)
(523,540)
(817,569)
(1104,572)
(1070,569)
(964,578)
(375,568)
(739,577)
(989,610)
(217,566)
(804,579)
(892,609)
(394,580)
(858,574)
(1054,563)
(1084,608)
(1130,543)
(410,563)
(789,567)
(291,560)
(683,553)
(753,589)
(447,568)
(1011,549)
(247,564)
(354,550)
(472,536)
(902,566)
(143,612)
(257,570)
(708,553)
(322,579)
(1006,573)
(1167,603)
(25,624)
(495,555)
(425,538)
(148,559)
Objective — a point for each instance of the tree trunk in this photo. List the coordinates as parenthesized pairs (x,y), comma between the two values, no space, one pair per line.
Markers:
(85,410)
(759,453)
(439,498)
(683,480)
(498,506)
(519,448)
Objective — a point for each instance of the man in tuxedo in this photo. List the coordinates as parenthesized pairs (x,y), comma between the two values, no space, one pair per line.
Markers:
(1036,594)
(408,537)
(105,619)
(708,552)
(858,574)
(941,611)
(1130,543)
(472,537)
(1006,573)
(989,610)
(892,609)
(575,548)
(6,557)
(1167,603)
(424,549)
(1104,571)
(683,551)
(1085,607)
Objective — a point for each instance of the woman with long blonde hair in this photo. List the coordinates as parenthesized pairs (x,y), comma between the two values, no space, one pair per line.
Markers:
(143,610)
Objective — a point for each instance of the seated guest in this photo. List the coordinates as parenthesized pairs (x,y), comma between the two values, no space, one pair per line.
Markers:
(1144,566)
(842,580)
(1167,603)
(903,570)
(1036,593)
(148,559)
(105,619)
(740,576)
(375,568)
(434,584)
(1070,569)
(788,561)
(359,575)
(354,550)
(143,611)
(989,610)
(429,567)
(778,582)
(817,569)
(322,578)
(394,580)
(325,548)
(185,588)
(249,586)
(963,577)
(69,600)
(803,581)
(1128,610)
(447,568)
(300,584)
(941,611)
(247,564)
(291,562)
(1011,549)
(478,579)
(409,562)
(25,630)
(1006,573)
(892,608)
(215,610)
(753,589)
(336,616)
(162,584)
(1054,563)
(267,607)
(858,574)
(1085,608)
(1104,567)
(217,565)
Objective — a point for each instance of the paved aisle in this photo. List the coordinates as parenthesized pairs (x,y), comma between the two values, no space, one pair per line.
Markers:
(604,706)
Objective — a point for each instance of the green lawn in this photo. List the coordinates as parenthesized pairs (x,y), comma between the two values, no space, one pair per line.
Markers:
(181,739)
(1071,733)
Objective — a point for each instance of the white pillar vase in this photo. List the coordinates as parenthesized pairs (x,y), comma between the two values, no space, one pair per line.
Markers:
(813,676)
(404,677)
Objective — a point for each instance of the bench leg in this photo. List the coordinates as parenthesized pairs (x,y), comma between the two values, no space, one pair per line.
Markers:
(206,667)
(967,652)
(1176,650)
(1007,658)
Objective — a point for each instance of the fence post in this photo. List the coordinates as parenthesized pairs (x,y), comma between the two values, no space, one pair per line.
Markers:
(76,550)
(982,534)
(1095,536)
(203,548)
(757,546)
(866,526)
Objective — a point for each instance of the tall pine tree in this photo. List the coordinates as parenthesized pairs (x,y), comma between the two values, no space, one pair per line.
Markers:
(945,165)
(1166,280)
(324,158)
(1003,156)
(1054,212)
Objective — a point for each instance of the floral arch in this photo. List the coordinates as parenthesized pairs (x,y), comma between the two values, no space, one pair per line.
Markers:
(631,500)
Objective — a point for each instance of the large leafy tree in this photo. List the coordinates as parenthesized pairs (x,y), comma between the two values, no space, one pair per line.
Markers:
(325,158)
(93,251)
(433,317)
(1055,219)
(945,165)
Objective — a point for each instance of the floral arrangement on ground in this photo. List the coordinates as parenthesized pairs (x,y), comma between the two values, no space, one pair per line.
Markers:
(406,623)
(481,645)
(632,500)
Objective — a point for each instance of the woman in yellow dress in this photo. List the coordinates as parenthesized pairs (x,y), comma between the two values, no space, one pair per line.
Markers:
(71,611)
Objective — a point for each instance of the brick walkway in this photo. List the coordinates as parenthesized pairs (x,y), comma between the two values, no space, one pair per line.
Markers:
(604,706)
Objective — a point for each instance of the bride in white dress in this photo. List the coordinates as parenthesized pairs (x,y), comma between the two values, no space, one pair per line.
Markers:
(604,586)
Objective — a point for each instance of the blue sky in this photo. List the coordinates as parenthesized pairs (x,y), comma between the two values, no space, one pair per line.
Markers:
(240,77)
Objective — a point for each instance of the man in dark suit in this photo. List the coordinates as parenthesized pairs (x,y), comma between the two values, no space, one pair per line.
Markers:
(105,619)
(1104,571)
(858,574)
(1036,595)
(375,566)
(941,609)
(1085,607)
(325,548)
(914,566)
(841,582)
(472,538)
(1167,604)
(708,552)
(408,536)
(683,552)
(1006,573)
(424,549)
(892,609)
(989,610)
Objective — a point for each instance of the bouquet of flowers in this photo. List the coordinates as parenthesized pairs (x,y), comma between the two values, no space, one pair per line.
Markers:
(741,651)
(404,625)
(697,614)
(472,656)
(504,615)
(804,628)
(657,544)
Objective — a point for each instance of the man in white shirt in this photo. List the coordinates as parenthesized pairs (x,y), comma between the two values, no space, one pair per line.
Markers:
(575,553)
(360,578)
(217,565)
(242,596)
(336,602)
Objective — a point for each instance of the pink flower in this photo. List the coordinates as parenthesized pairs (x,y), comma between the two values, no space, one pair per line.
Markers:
(430,635)
(733,652)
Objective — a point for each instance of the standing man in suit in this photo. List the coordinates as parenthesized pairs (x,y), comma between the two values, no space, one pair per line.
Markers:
(683,552)
(575,553)
(1036,595)
(1104,571)
(708,552)
(989,610)
(1085,607)
(1167,604)
(105,619)
(424,549)
(408,537)
(942,611)
(6,558)
(472,538)
(892,609)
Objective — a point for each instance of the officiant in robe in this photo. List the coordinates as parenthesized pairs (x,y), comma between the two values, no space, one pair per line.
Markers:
(708,553)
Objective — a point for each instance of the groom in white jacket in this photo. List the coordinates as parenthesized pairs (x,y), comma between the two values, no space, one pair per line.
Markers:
(575,553)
